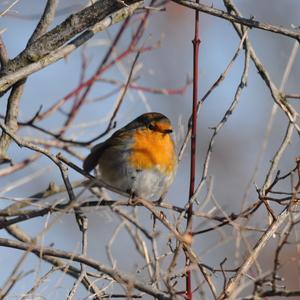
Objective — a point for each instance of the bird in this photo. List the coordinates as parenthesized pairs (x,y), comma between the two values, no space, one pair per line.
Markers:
(139,159)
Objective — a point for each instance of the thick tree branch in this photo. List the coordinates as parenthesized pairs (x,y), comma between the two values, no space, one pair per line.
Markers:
(49,47)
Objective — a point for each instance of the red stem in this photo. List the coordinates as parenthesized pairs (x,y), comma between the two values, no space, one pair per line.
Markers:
(101,69)
(196,42)
(104,66)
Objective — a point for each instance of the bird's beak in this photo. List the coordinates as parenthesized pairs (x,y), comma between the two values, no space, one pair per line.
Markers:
(168,131)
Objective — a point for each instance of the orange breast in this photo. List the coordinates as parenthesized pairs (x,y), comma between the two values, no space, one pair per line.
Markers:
(153,149)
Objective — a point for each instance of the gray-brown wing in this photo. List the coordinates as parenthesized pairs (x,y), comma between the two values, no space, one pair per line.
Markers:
(92,159)
(115,141)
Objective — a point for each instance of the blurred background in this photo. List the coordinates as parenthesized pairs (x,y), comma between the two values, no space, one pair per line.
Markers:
(168,66)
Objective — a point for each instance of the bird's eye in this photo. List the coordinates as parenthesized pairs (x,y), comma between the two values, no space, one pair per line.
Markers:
(151,126)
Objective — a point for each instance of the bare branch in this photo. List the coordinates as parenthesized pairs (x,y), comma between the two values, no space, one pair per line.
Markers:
(113,273)
(251,23)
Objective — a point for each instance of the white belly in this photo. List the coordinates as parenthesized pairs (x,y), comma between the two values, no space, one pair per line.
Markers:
(149,184)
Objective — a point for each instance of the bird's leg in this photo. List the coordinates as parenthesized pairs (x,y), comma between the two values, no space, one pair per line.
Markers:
(160,200)
(131,199)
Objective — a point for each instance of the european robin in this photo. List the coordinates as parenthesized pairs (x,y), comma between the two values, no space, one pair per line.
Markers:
(139,159)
